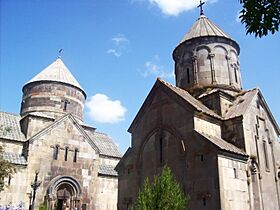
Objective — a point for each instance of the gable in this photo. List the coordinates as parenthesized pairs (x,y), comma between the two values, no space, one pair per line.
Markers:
(247,100)
(241,103)
(65,130)
(261,102)
(176,94)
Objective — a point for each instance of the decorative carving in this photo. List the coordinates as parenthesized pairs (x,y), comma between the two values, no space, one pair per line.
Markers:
(211,56)
(195,78)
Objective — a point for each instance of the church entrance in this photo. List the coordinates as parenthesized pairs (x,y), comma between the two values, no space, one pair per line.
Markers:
(65,197)
(59,204)
(64,193)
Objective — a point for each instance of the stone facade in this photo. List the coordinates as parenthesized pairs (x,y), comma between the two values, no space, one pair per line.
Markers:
(221,142)
(75,162)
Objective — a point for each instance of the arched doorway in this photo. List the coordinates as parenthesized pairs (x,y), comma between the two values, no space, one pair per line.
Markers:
(63,192)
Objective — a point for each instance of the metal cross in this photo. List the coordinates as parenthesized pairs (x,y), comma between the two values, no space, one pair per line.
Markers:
(200,6)
(35,186)
(59,53)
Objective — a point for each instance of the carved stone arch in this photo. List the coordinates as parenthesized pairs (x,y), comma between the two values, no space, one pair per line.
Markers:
(277,175)
(55,182)
(200,47)
(64,189)
(222,47)
(234,56)
(157,130)
(173,150)
(221,64)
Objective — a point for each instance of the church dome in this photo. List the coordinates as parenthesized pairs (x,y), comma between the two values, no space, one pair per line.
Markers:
(207,57)
(53,91)
(56,72)
(204,27)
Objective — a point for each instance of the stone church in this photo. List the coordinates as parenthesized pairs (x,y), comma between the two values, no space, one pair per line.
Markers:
(74,163)
(220,141)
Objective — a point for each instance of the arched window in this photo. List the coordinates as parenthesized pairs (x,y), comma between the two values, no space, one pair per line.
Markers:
(66,153)
(56,151)
(75,155)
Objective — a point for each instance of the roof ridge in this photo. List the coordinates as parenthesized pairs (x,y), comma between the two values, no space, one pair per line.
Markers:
(207,110)
(103,133)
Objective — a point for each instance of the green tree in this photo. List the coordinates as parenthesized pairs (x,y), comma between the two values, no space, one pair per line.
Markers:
(260,16)
(43,206)
(163,194)
(6,169)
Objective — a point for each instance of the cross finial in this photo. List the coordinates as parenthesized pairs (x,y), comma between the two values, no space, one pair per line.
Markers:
(200,6)
(59,53)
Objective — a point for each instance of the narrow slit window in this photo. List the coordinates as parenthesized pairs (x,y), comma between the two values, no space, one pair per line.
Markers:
(235,74)
(75,155)
(160,151)
(56,151)
(257,130)
(9,180)
(265,155)
(66,154)
(201,158)
(204,201)
(235,173)
(188,75)
(65,105)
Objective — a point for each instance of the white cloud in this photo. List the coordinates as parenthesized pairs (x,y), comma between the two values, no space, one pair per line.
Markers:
(153,68)
(175,7)
(104,110)
(120,39)
(120,43)
(114,52)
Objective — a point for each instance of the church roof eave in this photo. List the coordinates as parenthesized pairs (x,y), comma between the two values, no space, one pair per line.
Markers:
(270,115)
(221,144)
(10,127)
(123,159)
(204,27)
(53,81)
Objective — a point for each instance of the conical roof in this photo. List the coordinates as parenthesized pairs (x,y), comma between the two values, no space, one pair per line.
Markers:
(204,27)
(58,72)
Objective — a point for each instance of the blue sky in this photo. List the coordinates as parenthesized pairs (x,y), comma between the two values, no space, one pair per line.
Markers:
(116,49)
